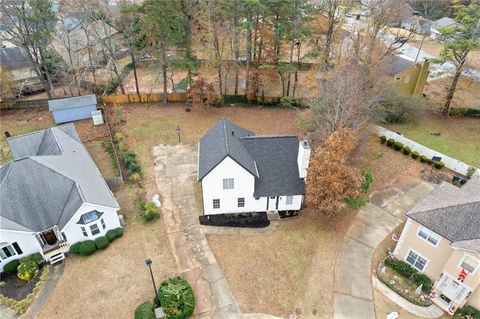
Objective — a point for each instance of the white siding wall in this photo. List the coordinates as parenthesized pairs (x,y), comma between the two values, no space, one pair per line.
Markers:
(27,242)
(73,232)
(212,188)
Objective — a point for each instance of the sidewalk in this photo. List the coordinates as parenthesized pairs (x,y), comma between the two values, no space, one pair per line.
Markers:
(353,295)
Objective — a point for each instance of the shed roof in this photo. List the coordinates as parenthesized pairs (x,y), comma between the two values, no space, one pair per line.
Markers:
(394,64)
(72,102)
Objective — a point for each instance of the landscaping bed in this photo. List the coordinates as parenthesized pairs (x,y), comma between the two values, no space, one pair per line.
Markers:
(253,220)
(15,288)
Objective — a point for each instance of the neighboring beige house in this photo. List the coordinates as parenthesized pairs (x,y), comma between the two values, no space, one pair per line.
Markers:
(409,77)
(441,239)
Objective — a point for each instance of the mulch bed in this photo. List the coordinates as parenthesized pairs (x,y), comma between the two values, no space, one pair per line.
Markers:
(253,220)
(16,288)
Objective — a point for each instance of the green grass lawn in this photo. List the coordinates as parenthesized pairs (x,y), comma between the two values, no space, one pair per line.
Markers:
(459,137)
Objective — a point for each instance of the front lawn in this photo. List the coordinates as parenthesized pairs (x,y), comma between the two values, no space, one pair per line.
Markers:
(458,137)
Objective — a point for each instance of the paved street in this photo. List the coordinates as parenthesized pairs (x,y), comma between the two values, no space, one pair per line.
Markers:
(353,295)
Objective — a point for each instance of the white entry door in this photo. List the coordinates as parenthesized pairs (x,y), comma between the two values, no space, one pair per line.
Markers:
(272,203)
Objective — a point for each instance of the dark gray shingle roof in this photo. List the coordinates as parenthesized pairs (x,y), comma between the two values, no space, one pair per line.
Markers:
(271,159)
(450,211)
(41,191)
(221,141)
(15,58)
(276,158)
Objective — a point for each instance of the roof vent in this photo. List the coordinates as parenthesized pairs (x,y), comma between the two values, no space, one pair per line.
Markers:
(233,133)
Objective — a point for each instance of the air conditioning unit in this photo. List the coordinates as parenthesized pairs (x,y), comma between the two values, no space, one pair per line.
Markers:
(97,117)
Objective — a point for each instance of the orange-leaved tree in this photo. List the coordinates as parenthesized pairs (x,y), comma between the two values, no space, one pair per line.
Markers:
(330,177)
(202,94)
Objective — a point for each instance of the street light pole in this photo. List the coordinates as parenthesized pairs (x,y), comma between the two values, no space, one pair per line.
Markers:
(148,262)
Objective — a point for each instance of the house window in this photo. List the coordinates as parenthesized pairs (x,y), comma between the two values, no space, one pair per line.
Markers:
(241,202)
(228,183)
(7,251)
(469,264)
(216,203)
(289,200)
(17,248)
(103,223)
(407,78)
(429,236)
(84,231)
(257,198)
(94,229)
(416,261)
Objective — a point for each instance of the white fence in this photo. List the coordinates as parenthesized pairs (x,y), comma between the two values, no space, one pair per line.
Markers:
(451,163)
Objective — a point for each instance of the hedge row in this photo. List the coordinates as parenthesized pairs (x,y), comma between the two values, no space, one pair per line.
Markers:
(407,271)
(408,151)
(401,292)
(12,266)
(88,247)
(129,158)
(468,312)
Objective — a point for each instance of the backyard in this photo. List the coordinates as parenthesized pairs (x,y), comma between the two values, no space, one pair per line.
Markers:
(454,136)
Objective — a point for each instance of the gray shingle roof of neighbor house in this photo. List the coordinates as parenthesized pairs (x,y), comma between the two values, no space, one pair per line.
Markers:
(444,22)
(15,58)
(395,64)
(51,176)
(272,160)
(451,212)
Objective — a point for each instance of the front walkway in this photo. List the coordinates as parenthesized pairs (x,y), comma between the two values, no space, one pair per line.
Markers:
(175,170)
(353,295)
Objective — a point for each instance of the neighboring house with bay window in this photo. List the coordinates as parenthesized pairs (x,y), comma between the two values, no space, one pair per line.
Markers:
(441,239)
(52,196)
(242,172)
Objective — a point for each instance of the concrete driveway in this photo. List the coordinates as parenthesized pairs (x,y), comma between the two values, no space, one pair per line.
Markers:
(353,295)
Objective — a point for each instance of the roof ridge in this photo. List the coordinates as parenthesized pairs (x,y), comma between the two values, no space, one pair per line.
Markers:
(33,158)
(43,139)
(74,186)
(225,134)
(6,174)
(26,134)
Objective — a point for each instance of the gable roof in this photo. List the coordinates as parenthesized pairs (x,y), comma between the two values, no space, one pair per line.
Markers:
(220,141)
(444,22)
(272,160)
(51,176)
(276,159)
(451,212)
(395,64)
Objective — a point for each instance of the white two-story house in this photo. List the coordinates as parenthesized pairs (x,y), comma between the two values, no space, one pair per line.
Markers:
(241,172)
(51,196)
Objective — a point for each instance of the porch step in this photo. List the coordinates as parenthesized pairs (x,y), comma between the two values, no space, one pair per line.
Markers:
(273,215)
(55,258)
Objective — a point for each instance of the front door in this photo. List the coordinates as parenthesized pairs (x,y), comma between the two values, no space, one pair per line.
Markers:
(50,237)
(272,203)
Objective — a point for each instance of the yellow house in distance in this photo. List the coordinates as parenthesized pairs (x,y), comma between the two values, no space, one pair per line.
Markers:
(408,77)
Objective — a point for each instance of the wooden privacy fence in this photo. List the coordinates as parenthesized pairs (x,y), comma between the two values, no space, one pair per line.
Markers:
(142,98)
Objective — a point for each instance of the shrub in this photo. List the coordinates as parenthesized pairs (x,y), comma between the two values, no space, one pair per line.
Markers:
(356,203)
(75,248)
(407,150)
(415,154)
(396,108)
(101,242)
(422,279)
(36,257)
(423,159)
(397,146)
(439,165)
(111,235)
(470,172)
(145,311)
(11,266)
(87,248)
(133,168)
(135,177)
(119,232)
(367,178)
(390,142)
(27,270)
(467,312)
(177,298)
(400,267)
(383,139)
(148,211)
